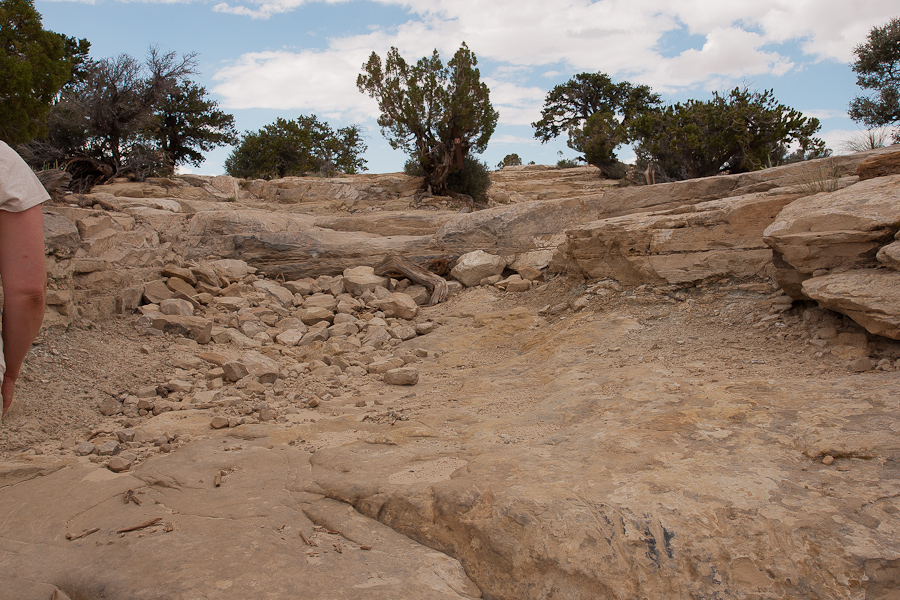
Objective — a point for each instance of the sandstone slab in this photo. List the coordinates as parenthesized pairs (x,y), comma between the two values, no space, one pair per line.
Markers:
(837,230)
(256,519)
(868,296)
(719,238)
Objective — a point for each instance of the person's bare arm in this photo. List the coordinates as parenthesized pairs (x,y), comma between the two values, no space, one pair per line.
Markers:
(24,279)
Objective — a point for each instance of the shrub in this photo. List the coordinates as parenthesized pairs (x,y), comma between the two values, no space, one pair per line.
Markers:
(473,179)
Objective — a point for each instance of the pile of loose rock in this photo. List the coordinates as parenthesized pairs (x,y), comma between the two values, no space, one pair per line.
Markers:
(265,349)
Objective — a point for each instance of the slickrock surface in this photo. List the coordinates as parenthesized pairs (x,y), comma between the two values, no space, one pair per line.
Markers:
(642,427)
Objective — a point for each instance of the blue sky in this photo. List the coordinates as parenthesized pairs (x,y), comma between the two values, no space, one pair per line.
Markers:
(263,59)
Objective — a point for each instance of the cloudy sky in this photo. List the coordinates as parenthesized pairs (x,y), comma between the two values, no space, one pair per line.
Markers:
(263,59)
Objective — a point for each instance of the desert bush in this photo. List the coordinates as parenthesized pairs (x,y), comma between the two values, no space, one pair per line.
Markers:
(473,179)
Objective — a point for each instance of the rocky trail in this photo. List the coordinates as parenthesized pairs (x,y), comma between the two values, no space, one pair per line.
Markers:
(585,437)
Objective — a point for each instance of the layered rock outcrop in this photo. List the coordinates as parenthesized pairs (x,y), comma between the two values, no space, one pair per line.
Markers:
(837,248)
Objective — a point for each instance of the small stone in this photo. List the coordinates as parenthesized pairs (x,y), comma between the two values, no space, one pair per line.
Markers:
(179,385)
(85,448)
(145,404)
(125,435)
(861,364)
(146,392)
(314,402)
(402,376)
(219,422)
(110,448)
(109,407)
(117,464)
(827,460)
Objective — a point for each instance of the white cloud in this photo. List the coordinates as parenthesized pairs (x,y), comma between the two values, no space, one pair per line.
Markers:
(742,39)
(309,81)
(260,9)
(513,139)
(824,113)
(728,54)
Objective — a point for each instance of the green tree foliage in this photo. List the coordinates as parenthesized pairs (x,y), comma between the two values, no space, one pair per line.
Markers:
(299,147)
(431,111)
(474,180)
(510,160)
(877,68)
(110,113)
(741,131)
(34,65)
(188,123)
(596,114)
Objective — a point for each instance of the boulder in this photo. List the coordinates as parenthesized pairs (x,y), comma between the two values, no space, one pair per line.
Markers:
(514,283)
(61,237)
(362,279)
(175,306)
(280,294)
(835,230)
(291,337)
(230,268)
(314,314)
(318,300)
(879,166)
(399,305)
(871,297)
(91,226)
(157,291)
(889,256)
(473,267)
(402,376)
